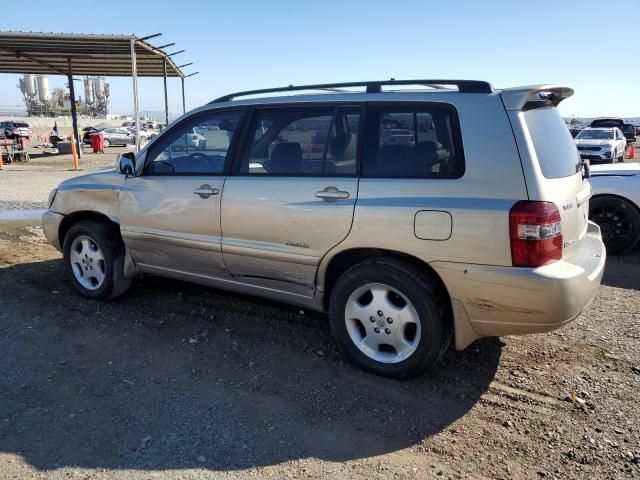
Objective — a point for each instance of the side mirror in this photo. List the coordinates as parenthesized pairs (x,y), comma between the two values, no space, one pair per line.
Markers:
(126,163)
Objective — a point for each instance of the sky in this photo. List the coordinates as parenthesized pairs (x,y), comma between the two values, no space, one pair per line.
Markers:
(244,44)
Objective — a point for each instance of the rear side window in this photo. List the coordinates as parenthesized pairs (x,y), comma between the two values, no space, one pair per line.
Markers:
(318,141)
(556,151)
(412,142)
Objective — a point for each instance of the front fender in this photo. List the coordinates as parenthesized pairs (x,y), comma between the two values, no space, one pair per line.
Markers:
(97,192)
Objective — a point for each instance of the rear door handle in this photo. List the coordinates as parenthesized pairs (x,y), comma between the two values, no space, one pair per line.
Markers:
(332,193)
(205,191)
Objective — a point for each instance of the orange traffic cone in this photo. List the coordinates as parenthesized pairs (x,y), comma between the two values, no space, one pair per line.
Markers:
(632,152)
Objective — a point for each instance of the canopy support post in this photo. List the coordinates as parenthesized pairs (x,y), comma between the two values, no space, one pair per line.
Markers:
(74,113)
(166,98)
(134,75)
(184,108)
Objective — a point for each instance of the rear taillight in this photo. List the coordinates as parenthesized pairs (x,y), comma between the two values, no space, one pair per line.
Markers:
(535,231)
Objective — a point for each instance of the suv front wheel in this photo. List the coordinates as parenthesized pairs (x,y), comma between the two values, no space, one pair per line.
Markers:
(94,260)
(389,318)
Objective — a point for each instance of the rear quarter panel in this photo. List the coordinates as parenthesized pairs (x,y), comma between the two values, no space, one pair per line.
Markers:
(478,202)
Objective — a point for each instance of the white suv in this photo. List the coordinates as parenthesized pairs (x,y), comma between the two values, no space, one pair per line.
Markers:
(605,145)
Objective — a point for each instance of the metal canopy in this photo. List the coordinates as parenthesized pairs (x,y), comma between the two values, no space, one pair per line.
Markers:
(90,54)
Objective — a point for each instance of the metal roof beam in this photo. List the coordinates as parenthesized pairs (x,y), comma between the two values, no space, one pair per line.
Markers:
(148,36)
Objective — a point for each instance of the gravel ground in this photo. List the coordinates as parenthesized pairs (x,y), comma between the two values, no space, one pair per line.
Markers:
(179,381)
(27,185)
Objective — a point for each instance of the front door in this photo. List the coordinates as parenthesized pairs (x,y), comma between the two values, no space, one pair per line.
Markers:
(170,214)
(292,196)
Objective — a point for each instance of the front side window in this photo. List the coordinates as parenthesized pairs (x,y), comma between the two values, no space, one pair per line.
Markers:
(303,141)
(198,146)
(412,142)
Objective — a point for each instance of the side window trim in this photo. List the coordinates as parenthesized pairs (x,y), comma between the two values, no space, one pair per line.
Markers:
(162,143)
(371,132)
(251,113)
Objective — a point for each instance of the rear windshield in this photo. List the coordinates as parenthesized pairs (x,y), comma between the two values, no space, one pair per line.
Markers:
(556,151)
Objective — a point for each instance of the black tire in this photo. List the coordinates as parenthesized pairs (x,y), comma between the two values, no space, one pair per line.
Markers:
(108,239)
(420,290)
(619,221)
(107,143)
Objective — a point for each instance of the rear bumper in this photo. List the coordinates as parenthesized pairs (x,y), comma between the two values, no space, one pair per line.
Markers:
(493,300)
(51,227)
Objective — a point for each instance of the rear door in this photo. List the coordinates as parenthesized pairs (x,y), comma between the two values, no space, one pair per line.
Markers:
(559,178)
(292,196)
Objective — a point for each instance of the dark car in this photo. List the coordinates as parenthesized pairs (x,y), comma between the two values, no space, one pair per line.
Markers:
(629,132)
(86,134)
(607,123)
(575,131)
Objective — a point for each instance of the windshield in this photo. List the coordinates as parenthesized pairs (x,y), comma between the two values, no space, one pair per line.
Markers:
(596,135)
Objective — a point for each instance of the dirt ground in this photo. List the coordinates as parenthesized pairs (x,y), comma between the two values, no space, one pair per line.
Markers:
(179,381)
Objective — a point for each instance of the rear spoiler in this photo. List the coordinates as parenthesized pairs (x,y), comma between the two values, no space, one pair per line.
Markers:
(516,98)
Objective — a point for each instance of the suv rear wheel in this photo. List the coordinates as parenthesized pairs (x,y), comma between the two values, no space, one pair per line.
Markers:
(94,260)
(388,317)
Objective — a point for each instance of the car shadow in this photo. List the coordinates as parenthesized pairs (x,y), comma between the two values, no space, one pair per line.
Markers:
(623,271)
(176,376)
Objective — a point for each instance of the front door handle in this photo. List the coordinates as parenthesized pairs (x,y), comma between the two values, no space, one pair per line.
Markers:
(331,194)
(205,191)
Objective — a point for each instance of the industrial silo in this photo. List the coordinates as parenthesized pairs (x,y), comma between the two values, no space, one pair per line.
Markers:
(30,84)
(98,85)
(88,90)
(43,88)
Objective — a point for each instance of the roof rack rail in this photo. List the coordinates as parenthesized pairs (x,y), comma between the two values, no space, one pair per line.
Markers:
(464,86)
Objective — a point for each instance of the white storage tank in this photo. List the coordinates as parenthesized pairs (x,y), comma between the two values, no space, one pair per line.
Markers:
(30,84)
(98,85)
(88,90)
(43,88)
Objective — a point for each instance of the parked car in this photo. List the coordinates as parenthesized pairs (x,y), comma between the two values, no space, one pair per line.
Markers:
(128,124)
(601,144)
(403,245)
(629,133)
(116,136)
(13,130)
(574,131)
(615,205)
(145,134)
(86,134)
(607,123)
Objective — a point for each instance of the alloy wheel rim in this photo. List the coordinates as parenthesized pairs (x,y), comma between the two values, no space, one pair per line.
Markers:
(614,223)
(87,262)
(382,323)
